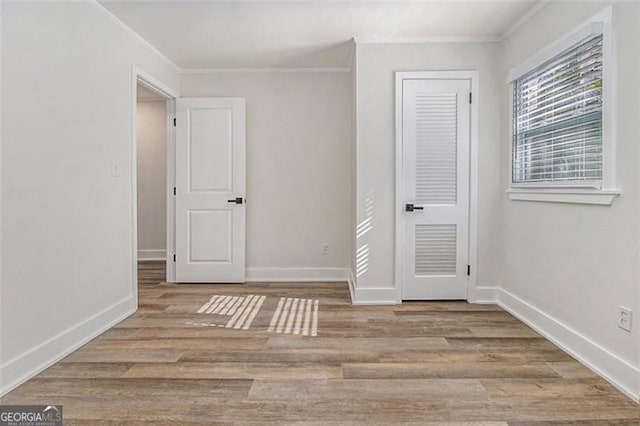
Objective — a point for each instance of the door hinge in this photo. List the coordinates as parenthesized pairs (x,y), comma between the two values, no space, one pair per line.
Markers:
(470,98)
(174,257)
(174,122)
(469,270)
(174,190)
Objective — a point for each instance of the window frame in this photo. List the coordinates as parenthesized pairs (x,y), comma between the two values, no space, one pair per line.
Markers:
(583,192)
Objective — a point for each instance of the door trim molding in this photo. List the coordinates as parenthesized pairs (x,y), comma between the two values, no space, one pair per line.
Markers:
(472,76)
(170,197)
(138,75)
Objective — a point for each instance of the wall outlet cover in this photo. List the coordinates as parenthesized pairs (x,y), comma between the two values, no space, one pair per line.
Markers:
(625,316)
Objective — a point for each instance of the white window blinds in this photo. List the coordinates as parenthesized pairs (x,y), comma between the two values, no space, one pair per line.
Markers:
(557,123)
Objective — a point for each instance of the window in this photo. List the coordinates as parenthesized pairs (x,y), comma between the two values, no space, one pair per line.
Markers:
(562,132)
(557,123)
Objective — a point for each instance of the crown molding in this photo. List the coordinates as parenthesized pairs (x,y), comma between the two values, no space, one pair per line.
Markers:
(435,39)
(113,18)
(356,40)
(263,70)
(524,18)
(460,39)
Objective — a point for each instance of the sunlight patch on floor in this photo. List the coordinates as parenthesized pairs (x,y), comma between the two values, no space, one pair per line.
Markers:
(241,309)
(293,315)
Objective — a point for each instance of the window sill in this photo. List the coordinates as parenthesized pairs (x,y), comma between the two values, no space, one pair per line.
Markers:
(573,196)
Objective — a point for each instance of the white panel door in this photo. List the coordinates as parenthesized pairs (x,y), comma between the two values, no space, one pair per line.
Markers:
(436,117)
(210,190)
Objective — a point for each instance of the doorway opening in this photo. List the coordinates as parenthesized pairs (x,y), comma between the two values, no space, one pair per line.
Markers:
(152,178)
(151,166)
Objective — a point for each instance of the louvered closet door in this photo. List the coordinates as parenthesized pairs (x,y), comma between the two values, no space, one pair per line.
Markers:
(435,138)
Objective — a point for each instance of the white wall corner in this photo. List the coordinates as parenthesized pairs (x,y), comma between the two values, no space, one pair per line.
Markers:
(620,373)
(297,275)
(152,255)
(23,367)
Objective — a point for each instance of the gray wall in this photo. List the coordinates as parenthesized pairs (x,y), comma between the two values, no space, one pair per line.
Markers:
(376,66)
(298,163)
(578,263)
(67,261)
(152,175)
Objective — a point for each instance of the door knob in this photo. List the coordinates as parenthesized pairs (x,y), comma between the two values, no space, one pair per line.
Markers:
(410,207)
(237,200)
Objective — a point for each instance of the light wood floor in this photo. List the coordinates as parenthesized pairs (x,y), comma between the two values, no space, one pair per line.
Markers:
(418,363)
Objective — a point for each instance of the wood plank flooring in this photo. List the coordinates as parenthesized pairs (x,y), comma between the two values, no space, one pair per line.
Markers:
(151,273)
(418,363)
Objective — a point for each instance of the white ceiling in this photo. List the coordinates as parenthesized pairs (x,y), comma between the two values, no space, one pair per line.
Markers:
(312,33)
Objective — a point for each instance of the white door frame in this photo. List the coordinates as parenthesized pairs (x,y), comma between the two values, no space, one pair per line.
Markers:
(471,75)
(138,75)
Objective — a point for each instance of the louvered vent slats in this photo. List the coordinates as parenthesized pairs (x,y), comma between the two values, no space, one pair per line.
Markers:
(435,250)
(436,148)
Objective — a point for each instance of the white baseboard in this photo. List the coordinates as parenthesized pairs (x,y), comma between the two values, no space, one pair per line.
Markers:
(297,275)
(352,285)
(376,296)
(615,370)
(25,366)
(152,255)
(484,295)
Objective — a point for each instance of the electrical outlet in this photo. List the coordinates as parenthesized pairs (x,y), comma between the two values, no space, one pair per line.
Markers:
(325,248)
(625,315)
